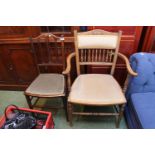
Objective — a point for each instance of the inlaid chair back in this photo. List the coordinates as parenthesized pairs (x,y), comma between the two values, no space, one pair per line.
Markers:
(97,47)
(49,50)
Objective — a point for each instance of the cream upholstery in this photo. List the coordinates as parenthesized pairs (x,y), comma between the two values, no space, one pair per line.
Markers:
(97,41)
(47,85)
(96,89)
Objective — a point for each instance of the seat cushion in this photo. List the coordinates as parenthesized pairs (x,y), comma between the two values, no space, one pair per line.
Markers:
(144,107)
(96,89)
(47,85)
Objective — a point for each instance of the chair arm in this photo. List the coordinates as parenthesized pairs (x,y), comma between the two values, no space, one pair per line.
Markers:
(129,69)
(68,68)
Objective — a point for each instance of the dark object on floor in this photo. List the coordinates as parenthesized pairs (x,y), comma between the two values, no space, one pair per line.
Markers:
(21,118)
(18,120)
(140,109)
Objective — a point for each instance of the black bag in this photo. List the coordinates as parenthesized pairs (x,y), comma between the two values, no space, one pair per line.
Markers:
(19,119)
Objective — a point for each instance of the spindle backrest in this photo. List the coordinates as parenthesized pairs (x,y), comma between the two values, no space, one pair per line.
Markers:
(49,50)
(97,47)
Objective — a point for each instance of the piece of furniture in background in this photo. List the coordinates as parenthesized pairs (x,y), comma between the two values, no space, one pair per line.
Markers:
(15,32)
(96,47)
(60,30)
(140,94)
(148,43)
(17,62)
(47,85)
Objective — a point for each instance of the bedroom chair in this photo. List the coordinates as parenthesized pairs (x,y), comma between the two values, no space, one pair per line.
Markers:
(96,47)
(48,85)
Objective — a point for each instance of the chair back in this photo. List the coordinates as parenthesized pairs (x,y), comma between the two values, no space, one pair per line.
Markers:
(97,47)
(49,51)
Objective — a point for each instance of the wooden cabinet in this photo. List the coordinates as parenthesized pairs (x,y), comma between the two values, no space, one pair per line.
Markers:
(18,66)
(18,31)
(22,63)
(62,30)
(5,74)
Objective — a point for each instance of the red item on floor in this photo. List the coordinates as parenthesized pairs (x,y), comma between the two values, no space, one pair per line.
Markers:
(44,118)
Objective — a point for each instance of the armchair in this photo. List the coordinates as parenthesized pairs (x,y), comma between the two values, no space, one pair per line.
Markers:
(96,47)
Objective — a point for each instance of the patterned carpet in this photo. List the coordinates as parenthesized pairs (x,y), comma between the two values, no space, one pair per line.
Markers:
(86,122)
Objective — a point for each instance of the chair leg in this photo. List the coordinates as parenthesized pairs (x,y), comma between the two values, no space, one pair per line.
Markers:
(29,101)
(120,115)
(65,106)
(70,109)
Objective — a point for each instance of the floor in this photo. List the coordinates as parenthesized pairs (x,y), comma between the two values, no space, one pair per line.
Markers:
(87,122)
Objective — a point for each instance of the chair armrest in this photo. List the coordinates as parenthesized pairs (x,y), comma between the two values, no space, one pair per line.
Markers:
(129,69)
(68,68)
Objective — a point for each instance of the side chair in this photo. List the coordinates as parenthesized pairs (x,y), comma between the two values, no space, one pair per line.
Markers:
(96,47)
(48,85)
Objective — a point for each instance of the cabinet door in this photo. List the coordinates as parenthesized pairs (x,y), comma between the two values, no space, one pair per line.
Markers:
(129,45)
(21,62)
(5,74)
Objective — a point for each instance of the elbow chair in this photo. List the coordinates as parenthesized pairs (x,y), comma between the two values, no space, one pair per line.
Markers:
(47,85)
(96,47)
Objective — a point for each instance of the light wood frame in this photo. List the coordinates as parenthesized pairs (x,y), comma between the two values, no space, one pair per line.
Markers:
(119,112)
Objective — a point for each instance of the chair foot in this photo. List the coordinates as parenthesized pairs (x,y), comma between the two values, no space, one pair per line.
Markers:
(29,101)
(70,109)
(120,115)
(65,106)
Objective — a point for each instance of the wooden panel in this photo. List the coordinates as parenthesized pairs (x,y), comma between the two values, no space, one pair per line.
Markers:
(5,74)
(148,44)
(19,62)
(59,30)
(17,65)
(18,31)
(23,63)
(127,30)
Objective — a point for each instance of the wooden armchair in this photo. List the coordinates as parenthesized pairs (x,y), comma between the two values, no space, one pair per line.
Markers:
(96,47)
(48,85)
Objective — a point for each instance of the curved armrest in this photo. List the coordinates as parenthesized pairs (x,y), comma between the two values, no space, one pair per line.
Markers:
(130,71)
(68,68)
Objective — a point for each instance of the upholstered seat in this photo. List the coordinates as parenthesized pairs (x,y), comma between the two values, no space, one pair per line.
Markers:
(144,107)
(47,85)
(96,89)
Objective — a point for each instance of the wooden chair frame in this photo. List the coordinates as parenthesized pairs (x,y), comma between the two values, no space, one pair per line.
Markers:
(47,38)
(76,55)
